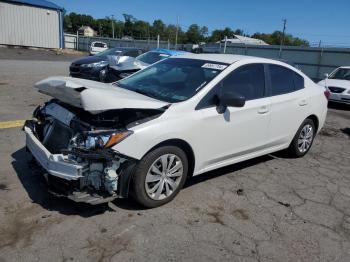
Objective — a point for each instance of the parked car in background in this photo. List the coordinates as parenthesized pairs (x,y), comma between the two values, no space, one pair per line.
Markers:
(338,84)
(90,67)
(97,47)
(124,68)
(182,116)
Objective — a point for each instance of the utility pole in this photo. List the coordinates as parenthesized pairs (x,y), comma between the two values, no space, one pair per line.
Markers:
(177,32)
(282,39)
(112,25)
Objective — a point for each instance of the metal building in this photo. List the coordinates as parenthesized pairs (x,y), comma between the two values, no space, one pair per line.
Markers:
(33,23)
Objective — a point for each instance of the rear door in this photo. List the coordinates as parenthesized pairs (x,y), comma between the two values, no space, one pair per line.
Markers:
(289,104)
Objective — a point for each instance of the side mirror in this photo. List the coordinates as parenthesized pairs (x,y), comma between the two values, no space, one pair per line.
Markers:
(326,75)
(230,99)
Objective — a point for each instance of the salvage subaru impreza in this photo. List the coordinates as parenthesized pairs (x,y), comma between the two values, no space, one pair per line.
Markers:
(186,115)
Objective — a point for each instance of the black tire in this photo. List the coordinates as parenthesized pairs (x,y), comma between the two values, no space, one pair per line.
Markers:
(138,182)
(294,150)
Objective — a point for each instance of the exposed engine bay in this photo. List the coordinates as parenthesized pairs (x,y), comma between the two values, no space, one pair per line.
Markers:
(87,139)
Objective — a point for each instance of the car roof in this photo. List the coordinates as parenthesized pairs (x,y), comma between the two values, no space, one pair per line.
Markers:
(126,48)
(228,58)
(169,52)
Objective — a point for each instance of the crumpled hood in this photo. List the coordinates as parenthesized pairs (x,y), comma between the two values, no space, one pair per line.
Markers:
(95,97)
(128,65)
(335,83)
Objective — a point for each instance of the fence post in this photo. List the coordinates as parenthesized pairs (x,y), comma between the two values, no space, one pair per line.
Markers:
(319,64)
(158,39)
(77,41)
(168,44)
(225,44)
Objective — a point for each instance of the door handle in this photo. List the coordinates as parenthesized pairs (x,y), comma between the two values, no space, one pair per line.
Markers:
(303,102)
(263,110)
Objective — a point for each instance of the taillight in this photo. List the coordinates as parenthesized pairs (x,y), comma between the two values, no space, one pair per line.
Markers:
(327,94)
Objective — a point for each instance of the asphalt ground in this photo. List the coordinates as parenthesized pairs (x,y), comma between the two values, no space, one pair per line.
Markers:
(267,209)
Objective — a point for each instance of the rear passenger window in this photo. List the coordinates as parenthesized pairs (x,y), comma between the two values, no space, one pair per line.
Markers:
(248,81)
(284,80)
(298,81)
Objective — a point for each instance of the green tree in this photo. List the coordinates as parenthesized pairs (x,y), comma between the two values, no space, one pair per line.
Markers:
(158,28)
(204,33)
(128,24)
(216,35)
(141,29)
(276,37)
(67,23)
(193,34)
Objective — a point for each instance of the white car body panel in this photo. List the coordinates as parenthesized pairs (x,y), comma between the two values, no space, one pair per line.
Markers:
(96,96)
(260,127)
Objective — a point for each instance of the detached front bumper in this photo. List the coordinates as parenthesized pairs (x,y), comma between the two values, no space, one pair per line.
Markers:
(65,178)
(54,164)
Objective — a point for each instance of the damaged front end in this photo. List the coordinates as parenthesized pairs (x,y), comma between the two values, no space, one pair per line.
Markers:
(75,148)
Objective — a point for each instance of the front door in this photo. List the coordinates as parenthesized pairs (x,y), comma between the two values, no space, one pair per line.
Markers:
(238,131)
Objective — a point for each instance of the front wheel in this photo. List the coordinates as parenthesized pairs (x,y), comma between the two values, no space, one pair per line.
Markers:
(303,139)
(159,176)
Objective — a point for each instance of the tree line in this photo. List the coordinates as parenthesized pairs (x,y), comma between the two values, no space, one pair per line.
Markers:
(139,29)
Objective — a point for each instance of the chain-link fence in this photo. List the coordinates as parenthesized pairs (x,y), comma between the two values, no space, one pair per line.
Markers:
(313,61)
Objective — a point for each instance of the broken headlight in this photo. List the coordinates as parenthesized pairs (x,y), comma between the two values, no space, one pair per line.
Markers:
(99,139)
(98,64)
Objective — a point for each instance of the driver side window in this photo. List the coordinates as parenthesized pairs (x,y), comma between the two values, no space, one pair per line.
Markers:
(247,80)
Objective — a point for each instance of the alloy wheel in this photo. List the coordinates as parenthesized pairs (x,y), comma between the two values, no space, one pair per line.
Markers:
(305,138)
(164,176)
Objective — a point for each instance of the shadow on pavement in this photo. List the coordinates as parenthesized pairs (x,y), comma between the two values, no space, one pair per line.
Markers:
(339,106)
(346,131)
(34,183)
(226,170)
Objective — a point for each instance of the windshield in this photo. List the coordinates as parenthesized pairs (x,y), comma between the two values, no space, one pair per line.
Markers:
(151,57)
(341,74)
(174,79)
(111,51)
(99,44)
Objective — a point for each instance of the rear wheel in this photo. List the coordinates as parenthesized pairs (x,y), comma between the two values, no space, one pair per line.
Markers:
(159,176)
(303,139)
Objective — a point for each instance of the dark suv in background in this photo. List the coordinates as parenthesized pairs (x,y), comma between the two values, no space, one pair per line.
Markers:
(90,67)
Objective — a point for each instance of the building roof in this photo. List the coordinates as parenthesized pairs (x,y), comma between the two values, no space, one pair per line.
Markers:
(85,27)
(37,3)
(243,40)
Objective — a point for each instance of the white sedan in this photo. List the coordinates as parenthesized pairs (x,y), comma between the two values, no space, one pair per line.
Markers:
(338,83)
(97,47)
(180,117)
